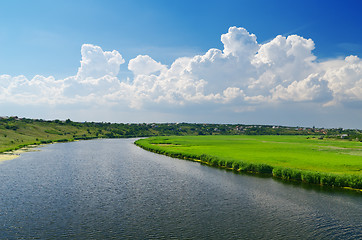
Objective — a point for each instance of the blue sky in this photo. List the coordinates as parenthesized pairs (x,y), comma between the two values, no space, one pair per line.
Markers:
(45,38)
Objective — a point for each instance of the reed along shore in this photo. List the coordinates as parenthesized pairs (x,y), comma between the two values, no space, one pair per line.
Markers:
(333,163)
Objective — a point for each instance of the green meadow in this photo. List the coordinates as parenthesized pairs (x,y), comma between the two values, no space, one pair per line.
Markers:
(302,158)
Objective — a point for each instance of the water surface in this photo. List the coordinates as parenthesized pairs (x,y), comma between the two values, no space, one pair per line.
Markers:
(111,189)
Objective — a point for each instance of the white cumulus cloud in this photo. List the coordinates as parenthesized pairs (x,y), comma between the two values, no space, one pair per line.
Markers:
(344,79)
(145,65)
(97,63)
(245,74)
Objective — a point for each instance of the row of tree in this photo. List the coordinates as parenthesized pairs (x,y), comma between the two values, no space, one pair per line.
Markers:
(118,130)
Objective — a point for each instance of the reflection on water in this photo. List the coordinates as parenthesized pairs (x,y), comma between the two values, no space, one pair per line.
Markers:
(104,189)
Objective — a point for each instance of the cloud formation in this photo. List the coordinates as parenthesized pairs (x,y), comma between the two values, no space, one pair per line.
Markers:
(97,63)
(243,75)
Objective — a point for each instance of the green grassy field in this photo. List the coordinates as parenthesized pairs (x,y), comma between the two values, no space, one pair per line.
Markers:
(308,159)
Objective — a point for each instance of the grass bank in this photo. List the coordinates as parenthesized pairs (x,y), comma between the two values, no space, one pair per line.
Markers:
(318,161)
(10,155)
(19,133)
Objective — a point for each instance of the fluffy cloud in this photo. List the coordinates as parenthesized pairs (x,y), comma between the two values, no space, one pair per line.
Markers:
(145,65)
(310,89)
(244,75)
(344,79)
(23,91)
(97,63)
(239,42)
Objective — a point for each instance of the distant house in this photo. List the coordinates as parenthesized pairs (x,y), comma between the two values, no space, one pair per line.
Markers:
(343,136)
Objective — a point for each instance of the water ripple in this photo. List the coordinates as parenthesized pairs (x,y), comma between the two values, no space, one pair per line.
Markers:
(111,189)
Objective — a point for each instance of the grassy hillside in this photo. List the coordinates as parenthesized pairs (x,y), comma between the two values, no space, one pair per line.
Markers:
(301,158)
(17,133)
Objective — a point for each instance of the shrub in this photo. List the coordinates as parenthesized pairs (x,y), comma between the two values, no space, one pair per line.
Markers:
(328,179)
(228,164)
(310,177)
(264,168)
(235,166)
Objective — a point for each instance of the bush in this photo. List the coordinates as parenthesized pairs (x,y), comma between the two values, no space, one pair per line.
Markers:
(62,140)
(235,166)
(228,164)
(310,177)
(328,179)
(287,173)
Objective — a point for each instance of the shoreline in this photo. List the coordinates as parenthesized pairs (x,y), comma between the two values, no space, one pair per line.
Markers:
(12,154)
(7,157)
(17,151)
(288,174)
(264,169)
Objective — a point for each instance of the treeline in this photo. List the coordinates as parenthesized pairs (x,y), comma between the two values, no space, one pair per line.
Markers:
(16,132)
(117,130)
(324,179)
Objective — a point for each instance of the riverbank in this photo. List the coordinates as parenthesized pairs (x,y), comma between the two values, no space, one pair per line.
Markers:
(293,158)
(7,157)
(10,155)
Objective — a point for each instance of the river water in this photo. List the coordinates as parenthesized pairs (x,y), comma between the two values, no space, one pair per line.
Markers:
(111,189)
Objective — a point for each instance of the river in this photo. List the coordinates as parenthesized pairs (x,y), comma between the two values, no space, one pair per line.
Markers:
(111,189)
